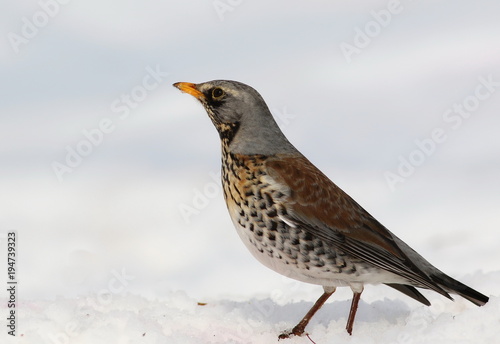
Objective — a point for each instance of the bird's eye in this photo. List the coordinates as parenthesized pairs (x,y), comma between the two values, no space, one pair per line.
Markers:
(217,93)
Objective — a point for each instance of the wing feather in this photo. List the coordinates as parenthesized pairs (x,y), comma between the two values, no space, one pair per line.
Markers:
(315,203)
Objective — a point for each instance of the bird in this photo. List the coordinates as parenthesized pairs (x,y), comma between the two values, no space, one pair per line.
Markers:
(296,221)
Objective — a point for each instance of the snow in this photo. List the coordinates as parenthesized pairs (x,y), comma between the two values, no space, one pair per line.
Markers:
(105,252)
(178,318)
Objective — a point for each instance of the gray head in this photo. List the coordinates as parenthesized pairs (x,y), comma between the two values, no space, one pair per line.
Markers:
(241,117)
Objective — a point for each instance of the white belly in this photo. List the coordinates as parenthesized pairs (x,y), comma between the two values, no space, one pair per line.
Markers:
(300,269)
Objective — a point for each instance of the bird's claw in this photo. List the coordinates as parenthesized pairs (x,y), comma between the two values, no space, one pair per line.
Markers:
(296,331)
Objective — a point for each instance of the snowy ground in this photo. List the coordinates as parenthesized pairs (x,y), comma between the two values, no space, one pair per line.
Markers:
(178,318)
(109,174)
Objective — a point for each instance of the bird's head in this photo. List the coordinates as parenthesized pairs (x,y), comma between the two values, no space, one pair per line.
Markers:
(240,115)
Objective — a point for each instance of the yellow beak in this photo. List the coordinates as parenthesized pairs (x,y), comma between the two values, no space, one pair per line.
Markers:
(190,88)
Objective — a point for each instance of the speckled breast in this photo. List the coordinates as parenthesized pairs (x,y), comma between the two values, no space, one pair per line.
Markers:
(257,208)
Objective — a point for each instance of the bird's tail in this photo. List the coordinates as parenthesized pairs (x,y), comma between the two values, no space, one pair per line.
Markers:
(455,287)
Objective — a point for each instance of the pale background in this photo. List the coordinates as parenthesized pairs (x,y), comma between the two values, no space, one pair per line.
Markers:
(119,209)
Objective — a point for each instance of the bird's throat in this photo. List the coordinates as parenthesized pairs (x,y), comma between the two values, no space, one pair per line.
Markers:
(227,132)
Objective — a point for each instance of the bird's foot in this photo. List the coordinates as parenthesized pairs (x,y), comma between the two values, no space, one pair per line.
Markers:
(296,331)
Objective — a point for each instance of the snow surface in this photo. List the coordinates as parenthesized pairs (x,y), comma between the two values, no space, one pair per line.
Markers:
(178,318)
(107,255)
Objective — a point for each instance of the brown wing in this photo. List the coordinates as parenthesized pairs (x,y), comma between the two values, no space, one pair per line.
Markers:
(327,212)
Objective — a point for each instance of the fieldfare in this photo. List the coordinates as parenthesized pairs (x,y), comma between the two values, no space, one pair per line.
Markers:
(296,221)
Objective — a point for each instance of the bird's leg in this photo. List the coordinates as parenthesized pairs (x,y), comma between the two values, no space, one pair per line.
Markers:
(352,313)
(299,329)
